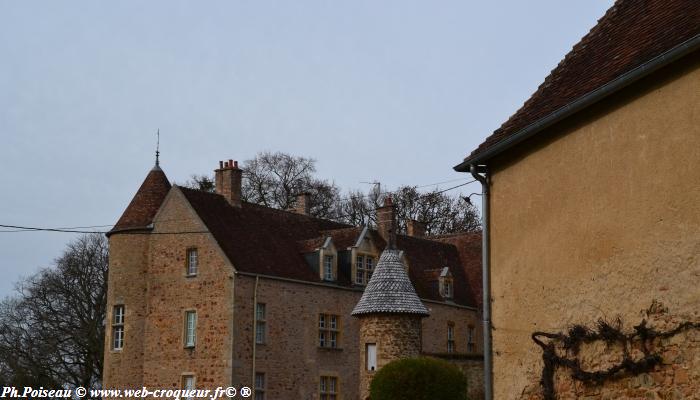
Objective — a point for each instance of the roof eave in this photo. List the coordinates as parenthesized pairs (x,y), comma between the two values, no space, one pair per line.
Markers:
(582,102)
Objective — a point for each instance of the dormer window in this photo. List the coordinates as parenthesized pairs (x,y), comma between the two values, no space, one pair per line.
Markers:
(328,268)
(446,287)
(364,265)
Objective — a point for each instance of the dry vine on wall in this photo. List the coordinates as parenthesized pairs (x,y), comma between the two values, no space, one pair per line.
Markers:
(609,333)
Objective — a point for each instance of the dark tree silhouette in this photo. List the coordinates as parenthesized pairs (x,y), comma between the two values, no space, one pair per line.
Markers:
(51,331)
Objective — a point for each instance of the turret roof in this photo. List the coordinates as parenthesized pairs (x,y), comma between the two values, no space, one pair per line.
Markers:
(390,290)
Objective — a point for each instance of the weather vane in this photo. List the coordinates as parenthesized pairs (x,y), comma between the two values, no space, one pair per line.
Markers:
(157,147)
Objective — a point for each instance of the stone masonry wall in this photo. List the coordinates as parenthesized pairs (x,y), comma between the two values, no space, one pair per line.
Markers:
(128,259)
(397,336)
(676,377)
(171,292)
(473,369)
(291,358)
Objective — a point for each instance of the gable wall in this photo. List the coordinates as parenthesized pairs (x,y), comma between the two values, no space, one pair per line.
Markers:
(170,293)
(598,221)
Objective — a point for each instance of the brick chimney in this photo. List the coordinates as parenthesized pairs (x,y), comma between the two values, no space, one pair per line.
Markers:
(386,221)
(415,228)
(228,181)
(303,203)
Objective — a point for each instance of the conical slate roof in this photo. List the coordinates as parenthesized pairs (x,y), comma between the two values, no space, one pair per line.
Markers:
(390,290)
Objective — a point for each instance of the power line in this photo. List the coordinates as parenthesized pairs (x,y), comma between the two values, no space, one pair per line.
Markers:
(80,229)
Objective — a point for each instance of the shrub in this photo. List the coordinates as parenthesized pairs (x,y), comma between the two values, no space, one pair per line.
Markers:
(419,379)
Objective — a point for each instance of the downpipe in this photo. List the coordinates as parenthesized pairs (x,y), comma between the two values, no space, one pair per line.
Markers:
(486,278)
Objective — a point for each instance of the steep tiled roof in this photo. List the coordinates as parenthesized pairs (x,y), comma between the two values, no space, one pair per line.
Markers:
(259,239)
(146,201)
(631,33)
(425,254)
(390,290)
(468,246)
(266,241)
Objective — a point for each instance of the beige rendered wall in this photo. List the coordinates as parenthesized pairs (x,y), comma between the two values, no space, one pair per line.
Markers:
(598,222)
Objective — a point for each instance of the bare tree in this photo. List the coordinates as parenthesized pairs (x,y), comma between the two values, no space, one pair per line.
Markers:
(274,180)
(439,212)
(200,182)
(52,332)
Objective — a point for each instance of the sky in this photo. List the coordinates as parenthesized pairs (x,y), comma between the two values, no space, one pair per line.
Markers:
(392,91)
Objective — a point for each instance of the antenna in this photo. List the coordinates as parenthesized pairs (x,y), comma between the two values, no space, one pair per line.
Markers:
(158,147)
(376,184)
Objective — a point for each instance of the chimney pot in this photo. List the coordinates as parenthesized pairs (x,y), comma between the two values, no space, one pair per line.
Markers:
(221,164)
(235,164)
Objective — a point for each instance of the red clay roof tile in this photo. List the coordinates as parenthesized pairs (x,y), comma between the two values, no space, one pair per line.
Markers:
(146,201)
(630,33)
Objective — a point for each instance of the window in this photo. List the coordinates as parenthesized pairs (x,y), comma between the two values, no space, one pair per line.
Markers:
(329,388)
(188,384)
(328,268)
(190,328)
(446,286)
(450,338)
(260,323)
(364,265)
(371,354)
(470,339)
(328,330)
(192,262)
(259,386)
(118,327)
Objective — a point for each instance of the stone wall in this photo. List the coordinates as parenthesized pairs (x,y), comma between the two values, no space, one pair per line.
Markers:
(148,276)
(291,358)
(171,293)
(676,376)
(473,368)
(397,336)
(128,260)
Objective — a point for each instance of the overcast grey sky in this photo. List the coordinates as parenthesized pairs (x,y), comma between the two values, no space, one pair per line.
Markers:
(395,91)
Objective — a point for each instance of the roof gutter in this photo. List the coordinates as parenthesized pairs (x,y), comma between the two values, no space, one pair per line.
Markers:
(582,102)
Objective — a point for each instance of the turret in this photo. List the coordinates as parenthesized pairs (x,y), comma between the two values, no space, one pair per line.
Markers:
(390,314)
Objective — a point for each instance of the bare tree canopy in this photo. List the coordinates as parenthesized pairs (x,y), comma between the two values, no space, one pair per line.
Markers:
(51,332)
(275,179)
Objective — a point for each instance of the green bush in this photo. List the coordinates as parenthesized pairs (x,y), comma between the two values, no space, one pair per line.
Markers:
(419,379)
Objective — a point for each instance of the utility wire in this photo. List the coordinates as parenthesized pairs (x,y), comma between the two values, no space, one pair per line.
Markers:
(79,229)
